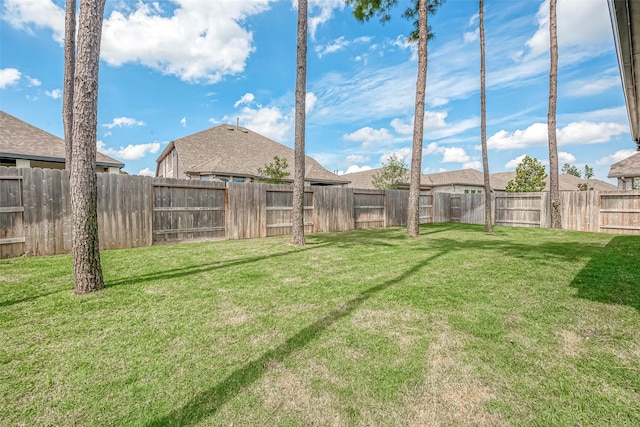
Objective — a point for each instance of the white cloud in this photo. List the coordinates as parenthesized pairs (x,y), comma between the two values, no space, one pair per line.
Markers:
(332,47)
(582,132)
(130,152)
(30,14)
(147,172)
(437,102)
(8,77)
(198,41)
(325,14)
(564,157)
(472,164)
(357,158)
(310,102)
(572,31)
(247,98)
(402,153)
(454,155)
(354,169)
(472,36)
(369,136)
(55,94)
(449,154)
(513,163)
(616,157)
(592,87)
(33,81)
(183,122)
(401,127)
(123,122)
(268,121)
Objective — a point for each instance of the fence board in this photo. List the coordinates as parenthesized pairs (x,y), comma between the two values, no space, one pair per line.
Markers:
(520,209)
(247,210)
(12,232)
(183,213)
(333,210)
(620,212)
(279,211)
(369,208)
(397,203)
(425,206)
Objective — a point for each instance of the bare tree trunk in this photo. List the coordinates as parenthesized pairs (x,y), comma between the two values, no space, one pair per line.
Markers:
(413,220)
(483,126)
(554,186)
(297,232)
(69,71)
(87,270)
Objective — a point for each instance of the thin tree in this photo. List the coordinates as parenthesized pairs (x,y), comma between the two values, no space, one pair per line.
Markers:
(87,270)
(69,71)
(483,125)
(297,232)
(554,183)
(363,11)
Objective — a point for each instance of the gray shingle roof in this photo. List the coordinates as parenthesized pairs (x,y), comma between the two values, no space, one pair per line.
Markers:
(230,150)
(474,177)
(629,167)
(20,140)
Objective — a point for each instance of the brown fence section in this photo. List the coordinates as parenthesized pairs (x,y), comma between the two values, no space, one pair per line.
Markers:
(12,232)
(134,211)
(369,209)
(521,209)
(620,213)
(183,213)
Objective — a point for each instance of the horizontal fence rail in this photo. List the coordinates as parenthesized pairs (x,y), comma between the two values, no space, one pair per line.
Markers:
(135,211)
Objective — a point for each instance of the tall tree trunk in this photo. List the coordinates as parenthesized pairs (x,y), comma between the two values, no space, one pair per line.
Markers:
(483,126)
(297,232)
(413,220)
(554,186)
(87,271)
(69,71)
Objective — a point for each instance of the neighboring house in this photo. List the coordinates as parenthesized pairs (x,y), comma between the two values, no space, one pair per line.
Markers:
(23,145)
(233,154)
(472,181)
(566,182)
(627,172)
(364,180)
(459,181)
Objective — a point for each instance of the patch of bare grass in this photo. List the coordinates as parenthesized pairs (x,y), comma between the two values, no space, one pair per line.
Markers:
(451,394)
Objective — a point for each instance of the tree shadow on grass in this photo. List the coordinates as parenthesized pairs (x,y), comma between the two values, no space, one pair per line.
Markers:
(612,276)
(207,403)
(202,268)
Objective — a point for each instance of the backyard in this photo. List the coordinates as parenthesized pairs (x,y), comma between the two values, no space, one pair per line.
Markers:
(369,327)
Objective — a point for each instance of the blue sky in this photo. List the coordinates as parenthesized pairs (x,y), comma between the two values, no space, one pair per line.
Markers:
(173,68)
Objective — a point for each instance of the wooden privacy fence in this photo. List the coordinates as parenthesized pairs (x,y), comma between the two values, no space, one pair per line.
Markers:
(135,211)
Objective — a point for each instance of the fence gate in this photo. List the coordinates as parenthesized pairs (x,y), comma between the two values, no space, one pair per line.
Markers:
(368,209)
(188,212)
(425,206)
(12,236)
(280,210)
(519,210)
(620,213)
(456,208)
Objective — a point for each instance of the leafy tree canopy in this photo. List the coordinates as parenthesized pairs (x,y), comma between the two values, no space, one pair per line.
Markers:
(393,174)
(364,10)
(275,172)
(588,172)
(571,170)
(530,175)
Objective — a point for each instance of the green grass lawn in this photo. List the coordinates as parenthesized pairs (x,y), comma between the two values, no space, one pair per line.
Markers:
(522,327)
